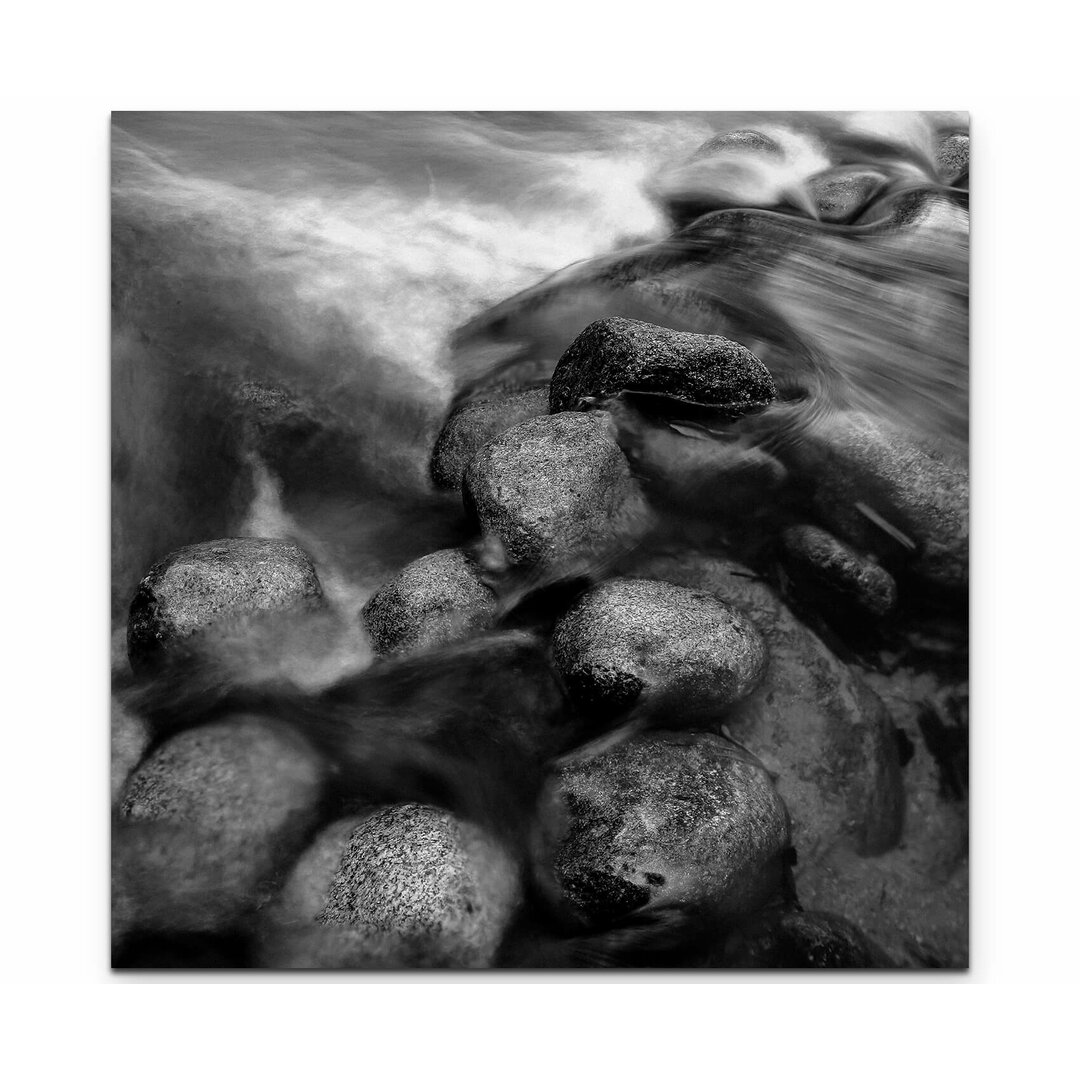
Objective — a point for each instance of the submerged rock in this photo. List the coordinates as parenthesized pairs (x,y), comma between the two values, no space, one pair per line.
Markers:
(196,587)
(628,637)
(613,355)
(890,494)
(840,195)
(953,157)
(667,818)
(555,491)
(826,570)
(208,820)
(432,601)
(802,939)
(406,886)
(474,423)
(822,732)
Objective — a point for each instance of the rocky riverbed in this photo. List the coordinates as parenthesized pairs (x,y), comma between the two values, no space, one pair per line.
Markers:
(661,657)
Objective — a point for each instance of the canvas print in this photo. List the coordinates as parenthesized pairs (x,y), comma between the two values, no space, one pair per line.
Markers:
(539,540)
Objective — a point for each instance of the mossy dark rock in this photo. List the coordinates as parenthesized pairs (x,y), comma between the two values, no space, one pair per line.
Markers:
(802,939)
(628,637)
(476,422)
(197,587)
(208,819)
(828,571)
(822,732)
(613,355)
(953,157)
(555,491)
(666,818)
(841,194)
(405,886)
(891,494)
(435,600)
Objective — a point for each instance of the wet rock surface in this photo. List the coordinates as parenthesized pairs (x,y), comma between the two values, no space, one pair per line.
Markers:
(827,570)
(555,490)
(802,939)
(629,639)
(840,195)
(199,586)
(208,819)
(665,818)
(953,158)
(406,886)
(890,494)
(614,355)
(435,600)
(129,738)
(817,726)
(476,422)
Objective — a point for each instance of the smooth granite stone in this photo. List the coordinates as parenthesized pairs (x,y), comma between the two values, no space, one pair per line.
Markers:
(197,587)
(434,600)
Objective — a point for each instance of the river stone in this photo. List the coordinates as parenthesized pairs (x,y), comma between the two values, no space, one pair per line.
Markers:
(802,939)
(209,819)
(869,472)
(407,886)
(953,157)
(613,355)
(476,422)
(435,600)
(555,491)
(840,195)
(830,571)
(129,738)
(823,733)
(666,818)
(744,141)
(196,587)
(627,637)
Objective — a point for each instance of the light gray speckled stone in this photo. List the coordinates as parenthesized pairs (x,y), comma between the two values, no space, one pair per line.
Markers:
(476,422)
(434,600)
(629,637)
(196,587)
(555,491)
(612,355)
(208,819)
(840,194)
(953,157)
(667,817)
(410,886)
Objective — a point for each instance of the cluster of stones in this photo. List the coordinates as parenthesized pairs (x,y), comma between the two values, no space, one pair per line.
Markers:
(711,732)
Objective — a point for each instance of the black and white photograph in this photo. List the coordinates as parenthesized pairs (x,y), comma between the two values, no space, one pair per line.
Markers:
(539,540)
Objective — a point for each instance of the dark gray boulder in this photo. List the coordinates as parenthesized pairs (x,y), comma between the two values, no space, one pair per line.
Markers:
(889,493)
(827,570)
(208,820)
(555,492)
(841,194)
(953,157)
(629,639)
(613,355)
(665,818)
(405,886)
(476,422)
(823,733)
(197,587)
(434,600)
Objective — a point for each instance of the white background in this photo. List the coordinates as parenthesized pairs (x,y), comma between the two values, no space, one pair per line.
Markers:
(67,66)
